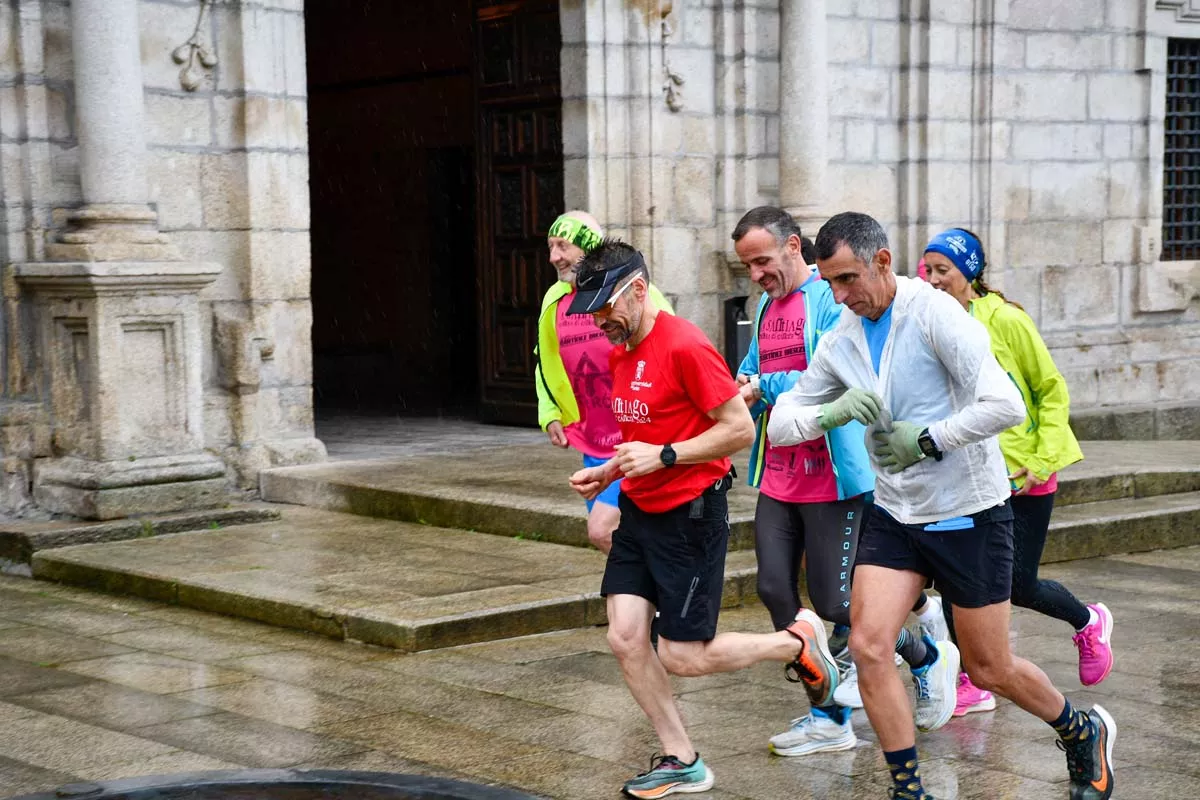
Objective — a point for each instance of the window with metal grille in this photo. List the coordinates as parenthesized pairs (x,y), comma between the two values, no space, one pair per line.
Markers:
(1181,153)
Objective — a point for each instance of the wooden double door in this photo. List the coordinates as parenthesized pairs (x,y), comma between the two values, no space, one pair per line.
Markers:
(519,193)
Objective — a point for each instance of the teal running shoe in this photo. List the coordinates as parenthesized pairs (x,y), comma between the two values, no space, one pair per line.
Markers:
(668,776)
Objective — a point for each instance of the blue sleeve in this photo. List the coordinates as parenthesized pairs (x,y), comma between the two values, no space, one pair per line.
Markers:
(774,384)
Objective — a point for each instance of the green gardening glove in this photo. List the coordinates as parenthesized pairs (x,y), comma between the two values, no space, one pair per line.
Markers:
(897,449)
(857,404)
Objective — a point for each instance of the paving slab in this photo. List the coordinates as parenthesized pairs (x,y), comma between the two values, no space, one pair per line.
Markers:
(521,489)
(547,714)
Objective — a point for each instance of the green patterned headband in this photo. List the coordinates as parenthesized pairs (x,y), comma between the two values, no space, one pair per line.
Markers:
(576,232)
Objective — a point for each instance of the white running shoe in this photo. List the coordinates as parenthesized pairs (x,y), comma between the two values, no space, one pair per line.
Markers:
(813,734)
(937,689)
(847,693)
(934,626)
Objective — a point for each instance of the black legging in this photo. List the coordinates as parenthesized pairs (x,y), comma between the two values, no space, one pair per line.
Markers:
(1031,520)
(828,532)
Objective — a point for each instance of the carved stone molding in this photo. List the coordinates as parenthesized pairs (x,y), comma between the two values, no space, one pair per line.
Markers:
(194,55)
(1185,10)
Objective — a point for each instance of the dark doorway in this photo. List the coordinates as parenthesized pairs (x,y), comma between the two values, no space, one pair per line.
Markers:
(425,291)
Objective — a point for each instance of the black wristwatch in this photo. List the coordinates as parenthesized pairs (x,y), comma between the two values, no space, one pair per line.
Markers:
(667,455)
(928,446)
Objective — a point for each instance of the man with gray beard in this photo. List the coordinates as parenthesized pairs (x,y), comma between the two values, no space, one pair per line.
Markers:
(681,416)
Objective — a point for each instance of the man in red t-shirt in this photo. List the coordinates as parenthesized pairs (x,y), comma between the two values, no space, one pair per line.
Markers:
(681,417)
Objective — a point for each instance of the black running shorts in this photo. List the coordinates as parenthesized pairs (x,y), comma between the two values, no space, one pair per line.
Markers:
(676,560)
(970,559)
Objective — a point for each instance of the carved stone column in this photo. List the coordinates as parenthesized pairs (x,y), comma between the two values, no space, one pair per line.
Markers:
(117,312)
(115,221)
(803,111)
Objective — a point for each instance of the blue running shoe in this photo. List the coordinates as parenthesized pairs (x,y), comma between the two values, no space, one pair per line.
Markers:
(668,776)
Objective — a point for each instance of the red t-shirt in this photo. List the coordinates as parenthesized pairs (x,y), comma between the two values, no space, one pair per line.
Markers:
(663,390)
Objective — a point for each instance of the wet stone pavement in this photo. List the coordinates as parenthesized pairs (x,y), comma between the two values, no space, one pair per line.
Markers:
(96,687)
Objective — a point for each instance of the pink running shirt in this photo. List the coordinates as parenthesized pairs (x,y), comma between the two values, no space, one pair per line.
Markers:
(585,350)
(801,473)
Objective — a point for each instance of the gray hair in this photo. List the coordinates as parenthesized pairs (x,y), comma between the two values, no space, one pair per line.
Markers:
(780,224)
(860,232)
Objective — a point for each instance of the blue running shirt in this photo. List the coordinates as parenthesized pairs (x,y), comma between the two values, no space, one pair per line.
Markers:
(877,333)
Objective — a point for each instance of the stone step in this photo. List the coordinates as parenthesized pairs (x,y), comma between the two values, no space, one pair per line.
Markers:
(522,490)
(19,540)
(414,587)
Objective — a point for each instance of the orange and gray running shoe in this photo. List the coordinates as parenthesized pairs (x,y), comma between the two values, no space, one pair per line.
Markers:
(814,666)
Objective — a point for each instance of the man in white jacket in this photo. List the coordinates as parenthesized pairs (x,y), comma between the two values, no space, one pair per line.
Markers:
(912,365)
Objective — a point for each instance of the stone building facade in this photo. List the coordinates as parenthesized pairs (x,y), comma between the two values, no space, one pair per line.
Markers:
(199,195)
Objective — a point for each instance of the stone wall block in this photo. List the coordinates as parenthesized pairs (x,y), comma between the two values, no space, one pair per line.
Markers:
(864,91)
(694,188)
(287,355)
(1038,243)
(1120,237)
(1084,386)
(1044,96)
(175,185)
(850,41)
(228,248)
(1126,189)
(1065,15)
(224,191)
(1080,296)
(885,43)
(874,9)
(11,122)
(699,135)
(951,199)
(870,188)
(8,50)
(291,43)
(1058,142)
(280,265)
(943,44)
(16,441)
(55,61)
(699,74)
(173,120)
(230,70)
(1068,51)
(860,140)
(951,11)
(278,190)
(573,73)
(1065,190)
(693,25)
(1118,142)
(229,121)
(1009,48)
(263,39)
(1118,97)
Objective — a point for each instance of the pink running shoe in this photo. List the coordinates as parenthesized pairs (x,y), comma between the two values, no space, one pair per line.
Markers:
(971,698)
(1095,653)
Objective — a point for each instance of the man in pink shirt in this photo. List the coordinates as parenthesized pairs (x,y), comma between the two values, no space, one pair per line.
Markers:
(573,381)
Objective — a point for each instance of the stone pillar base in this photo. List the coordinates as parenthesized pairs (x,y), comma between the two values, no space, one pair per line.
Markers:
(116,489)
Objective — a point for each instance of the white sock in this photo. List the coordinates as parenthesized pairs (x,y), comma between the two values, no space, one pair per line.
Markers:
(1093,618)
(932,609)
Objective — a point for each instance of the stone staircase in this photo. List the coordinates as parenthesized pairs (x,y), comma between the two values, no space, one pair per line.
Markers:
(433,551)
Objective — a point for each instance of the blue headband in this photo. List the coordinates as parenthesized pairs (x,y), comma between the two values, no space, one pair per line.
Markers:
(963,249)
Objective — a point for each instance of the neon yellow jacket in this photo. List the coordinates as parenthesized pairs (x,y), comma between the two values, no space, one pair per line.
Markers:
(1044,442)
(556,398)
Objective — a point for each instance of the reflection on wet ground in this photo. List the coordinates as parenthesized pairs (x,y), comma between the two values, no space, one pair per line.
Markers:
(94,687)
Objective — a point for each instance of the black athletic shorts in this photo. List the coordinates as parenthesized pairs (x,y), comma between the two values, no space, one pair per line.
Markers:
(676,560)
(969,558)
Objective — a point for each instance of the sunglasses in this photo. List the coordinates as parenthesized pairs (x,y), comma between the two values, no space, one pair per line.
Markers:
(611,302)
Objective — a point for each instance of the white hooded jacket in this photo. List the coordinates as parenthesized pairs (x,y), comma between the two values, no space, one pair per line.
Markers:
(937,371)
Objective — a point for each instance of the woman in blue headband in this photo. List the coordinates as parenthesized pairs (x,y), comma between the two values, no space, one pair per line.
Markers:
(1034,452)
